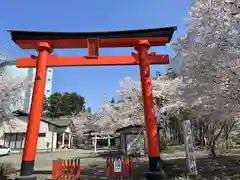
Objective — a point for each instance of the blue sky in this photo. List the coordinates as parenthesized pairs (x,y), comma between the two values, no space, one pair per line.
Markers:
(91,15)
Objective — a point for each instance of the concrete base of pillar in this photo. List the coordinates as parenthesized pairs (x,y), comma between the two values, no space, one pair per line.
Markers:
(159,174)
(31,177)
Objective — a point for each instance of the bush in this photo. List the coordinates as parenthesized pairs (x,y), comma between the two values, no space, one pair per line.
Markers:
(163,145)
(236,139)
(175,142)
(7,169)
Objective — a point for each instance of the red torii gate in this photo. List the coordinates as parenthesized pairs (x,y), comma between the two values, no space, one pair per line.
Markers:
(45,42)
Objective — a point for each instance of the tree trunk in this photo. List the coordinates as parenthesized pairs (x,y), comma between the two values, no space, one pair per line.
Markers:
(201,134)
(226,136)
(227,140)
(165,134)
(175,135)
(179,132)
(212,149)
(171,134)
(214,139)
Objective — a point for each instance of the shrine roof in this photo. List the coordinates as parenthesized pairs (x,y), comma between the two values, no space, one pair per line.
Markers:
(127,38)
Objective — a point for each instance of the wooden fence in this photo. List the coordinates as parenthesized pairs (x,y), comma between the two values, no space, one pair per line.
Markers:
(116,168)
(119,167)
(66,169)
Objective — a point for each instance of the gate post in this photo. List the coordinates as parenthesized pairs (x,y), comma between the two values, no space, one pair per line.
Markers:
(149,111)
(29,153)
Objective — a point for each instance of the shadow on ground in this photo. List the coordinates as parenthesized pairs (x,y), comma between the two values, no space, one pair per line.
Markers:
(222,167)
(43,172)
(112,153)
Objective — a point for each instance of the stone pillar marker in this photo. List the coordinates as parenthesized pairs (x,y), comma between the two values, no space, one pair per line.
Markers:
(189,149)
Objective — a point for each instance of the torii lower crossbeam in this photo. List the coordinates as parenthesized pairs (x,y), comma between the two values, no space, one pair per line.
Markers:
(55,61)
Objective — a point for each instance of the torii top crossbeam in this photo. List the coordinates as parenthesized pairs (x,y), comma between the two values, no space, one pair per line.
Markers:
(93,41)
(60,40)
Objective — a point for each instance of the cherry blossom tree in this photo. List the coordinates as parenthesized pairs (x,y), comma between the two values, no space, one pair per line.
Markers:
(165,89)
(84,122)
(128,110)
(11,96)
(210,58)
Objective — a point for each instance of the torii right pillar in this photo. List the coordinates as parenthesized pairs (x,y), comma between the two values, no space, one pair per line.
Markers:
(155,164)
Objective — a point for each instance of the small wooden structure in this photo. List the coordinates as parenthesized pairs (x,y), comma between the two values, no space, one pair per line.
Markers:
(132,140)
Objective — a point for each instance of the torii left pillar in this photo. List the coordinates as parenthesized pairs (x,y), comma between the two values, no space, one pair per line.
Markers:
(29,153)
